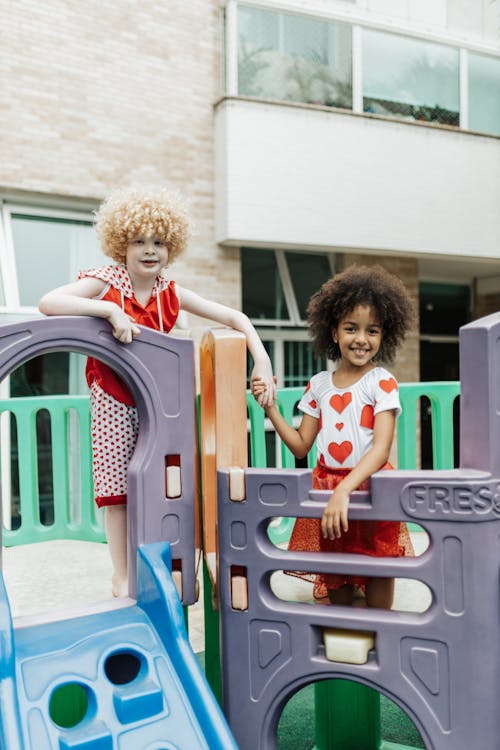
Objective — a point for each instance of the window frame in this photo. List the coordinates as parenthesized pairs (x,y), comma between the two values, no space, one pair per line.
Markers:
(461,68)
(8,265)
(13,306)
(468,54)
(294,321)
(280,332)
(359,20)
(231,37)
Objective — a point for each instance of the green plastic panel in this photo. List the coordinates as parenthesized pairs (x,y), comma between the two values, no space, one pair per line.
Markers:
(70,432)
(441,395)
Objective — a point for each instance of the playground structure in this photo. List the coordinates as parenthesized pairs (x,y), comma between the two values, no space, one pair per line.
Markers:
(339,704)
(139,680)
(281,643)
(424,662)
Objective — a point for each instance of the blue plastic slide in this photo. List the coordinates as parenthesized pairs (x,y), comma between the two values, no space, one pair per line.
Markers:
(132,670)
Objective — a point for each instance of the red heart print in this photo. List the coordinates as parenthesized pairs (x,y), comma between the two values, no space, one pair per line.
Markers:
(313,404)
(339,425)
(340,452)
(339,402)
(388,385)
(367,417)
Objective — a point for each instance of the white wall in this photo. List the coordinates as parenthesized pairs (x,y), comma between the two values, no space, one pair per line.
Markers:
(293,176)
(474,22)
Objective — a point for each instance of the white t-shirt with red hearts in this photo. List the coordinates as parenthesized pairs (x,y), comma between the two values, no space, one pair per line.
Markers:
(346,415)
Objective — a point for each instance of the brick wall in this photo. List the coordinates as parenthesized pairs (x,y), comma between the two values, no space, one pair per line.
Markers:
(486,304)
(101,94)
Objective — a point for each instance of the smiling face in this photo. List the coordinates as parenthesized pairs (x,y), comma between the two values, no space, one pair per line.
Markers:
(145,257)
(359,336)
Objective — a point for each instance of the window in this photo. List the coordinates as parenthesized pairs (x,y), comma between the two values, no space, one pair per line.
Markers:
(49,252)
(300,363)
(484,93)
(443,309)
(277,286)
(263,296)
(307,273)
(410,78)
(41,248)
(292,57)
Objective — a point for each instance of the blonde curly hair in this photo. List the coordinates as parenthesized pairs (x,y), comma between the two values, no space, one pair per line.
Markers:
(128,213)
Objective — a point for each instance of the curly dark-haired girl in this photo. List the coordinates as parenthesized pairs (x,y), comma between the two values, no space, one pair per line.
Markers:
(357,319)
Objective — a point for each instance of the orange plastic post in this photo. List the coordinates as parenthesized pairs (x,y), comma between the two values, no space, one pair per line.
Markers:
(223,423)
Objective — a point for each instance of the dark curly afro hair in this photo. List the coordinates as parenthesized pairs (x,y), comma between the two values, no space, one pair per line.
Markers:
(360,285)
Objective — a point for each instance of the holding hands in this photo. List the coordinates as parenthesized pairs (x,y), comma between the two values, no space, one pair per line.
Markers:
(263,388)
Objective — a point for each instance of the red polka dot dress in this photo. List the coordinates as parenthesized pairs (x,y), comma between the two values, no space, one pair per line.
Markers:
(114,418)
(345,433)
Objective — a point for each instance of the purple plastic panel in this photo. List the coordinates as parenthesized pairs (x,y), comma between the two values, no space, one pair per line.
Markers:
(160,372)
(480,394)
(441,666)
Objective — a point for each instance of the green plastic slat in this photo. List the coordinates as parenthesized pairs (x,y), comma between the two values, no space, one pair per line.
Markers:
(442,396)
(89,528)
(212,640)
(28,468)
(31,530)
(406,429)
(258,455)
(347,716)
(60,478)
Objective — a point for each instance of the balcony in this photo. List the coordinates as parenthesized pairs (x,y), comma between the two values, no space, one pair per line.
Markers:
(296,175)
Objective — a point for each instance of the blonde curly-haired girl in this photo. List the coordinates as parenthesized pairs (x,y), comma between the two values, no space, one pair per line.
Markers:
(143,231)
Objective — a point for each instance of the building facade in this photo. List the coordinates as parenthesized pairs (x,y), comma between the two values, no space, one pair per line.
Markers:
(305,135)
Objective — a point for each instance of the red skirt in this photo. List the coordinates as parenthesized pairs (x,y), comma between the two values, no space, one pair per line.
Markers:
(375,538)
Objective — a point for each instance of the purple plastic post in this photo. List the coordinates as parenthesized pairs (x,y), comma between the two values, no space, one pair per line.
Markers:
(480,394)
(440,666)
(159,369)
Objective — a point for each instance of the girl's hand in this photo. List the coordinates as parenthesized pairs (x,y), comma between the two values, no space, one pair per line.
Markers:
(334,519)
(263,380)
(258,388)
(124,328)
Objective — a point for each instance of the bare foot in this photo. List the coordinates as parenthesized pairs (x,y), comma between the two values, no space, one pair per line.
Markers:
(119,586)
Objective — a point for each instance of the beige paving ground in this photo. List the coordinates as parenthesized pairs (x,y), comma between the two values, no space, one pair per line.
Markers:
(54,577)
(71,577)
